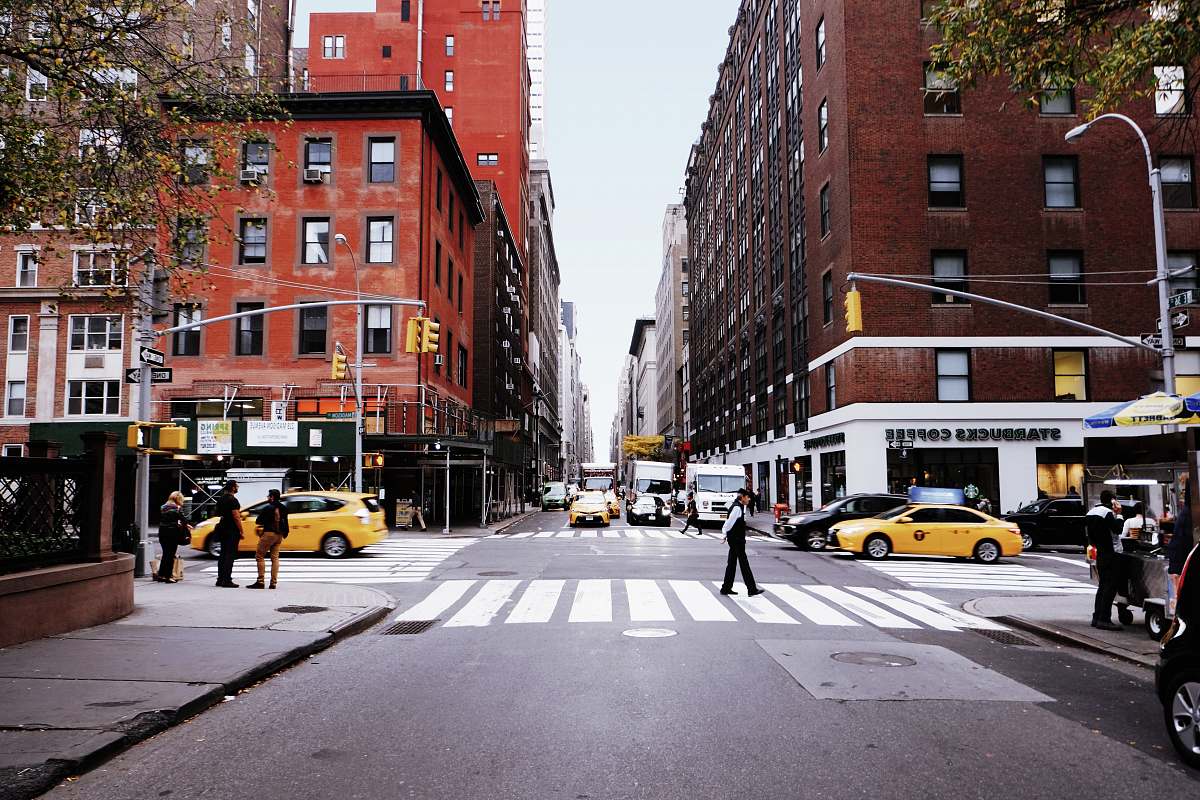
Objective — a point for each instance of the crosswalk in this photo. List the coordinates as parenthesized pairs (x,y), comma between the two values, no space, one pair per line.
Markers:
(990,577)
(476,604)
(389,561)
(622,533)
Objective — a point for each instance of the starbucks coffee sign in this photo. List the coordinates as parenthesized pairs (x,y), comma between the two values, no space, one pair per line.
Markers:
(973,434)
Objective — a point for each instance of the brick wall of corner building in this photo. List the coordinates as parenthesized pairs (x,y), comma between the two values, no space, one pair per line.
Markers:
(483,389)
(270,39)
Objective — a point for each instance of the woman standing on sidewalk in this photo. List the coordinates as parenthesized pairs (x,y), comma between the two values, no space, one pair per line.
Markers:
(173,531)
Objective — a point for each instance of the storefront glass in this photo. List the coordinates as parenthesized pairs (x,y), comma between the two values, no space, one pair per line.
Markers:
(803,485)
(1059,471)
(975,470)
(833,475)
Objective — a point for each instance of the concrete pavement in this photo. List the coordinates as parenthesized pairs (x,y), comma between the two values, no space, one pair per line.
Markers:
(67,702)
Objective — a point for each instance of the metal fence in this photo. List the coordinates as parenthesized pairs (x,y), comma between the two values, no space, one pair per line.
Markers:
(42,511)
(319,84)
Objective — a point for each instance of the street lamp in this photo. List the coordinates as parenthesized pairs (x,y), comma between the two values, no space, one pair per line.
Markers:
(1160,246)
(358,359)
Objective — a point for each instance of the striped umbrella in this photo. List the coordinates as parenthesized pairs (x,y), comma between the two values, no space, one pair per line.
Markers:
(1153,409)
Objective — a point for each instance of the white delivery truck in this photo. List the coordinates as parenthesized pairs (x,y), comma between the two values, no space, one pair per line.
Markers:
(715,487)
(650,477)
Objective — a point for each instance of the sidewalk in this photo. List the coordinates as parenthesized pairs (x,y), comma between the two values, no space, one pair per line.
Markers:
(469,531)
(67,702)
(1067,619)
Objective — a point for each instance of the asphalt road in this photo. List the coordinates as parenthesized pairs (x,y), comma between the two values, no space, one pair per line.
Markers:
(844,680)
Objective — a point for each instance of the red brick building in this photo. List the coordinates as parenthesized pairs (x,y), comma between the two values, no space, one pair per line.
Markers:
(831,146)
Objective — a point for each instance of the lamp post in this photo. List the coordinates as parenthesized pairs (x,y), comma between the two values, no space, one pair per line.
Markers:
(358,364)
(1161,278)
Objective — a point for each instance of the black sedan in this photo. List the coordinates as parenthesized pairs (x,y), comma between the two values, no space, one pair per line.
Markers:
(809,529)
(1050,522)
(649,509)
(1177,677)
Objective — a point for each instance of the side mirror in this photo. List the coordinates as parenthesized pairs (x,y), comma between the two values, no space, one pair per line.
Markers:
(904,520)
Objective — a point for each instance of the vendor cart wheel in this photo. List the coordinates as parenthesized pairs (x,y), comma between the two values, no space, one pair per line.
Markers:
(1124,615)
(1156,623)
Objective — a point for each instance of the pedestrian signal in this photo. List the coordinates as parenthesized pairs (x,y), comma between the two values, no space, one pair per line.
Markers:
(373,460)
(337,370)
(430,335)
(853,305)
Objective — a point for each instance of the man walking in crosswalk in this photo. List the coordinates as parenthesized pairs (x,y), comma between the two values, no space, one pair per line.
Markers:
(735,536)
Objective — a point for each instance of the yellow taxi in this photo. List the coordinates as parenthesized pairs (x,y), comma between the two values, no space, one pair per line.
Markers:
(590,507)
(334,524)
(932,530)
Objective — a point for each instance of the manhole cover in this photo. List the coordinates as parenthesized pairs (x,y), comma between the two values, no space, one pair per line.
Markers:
(648,633)
(409,627)
(874,659)
(495,573)
(301,609)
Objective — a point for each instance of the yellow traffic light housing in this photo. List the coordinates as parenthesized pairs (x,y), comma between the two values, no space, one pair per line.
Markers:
(337,370)
(853,304)
(430,335)
(133,438)
(412,335)
(172,437)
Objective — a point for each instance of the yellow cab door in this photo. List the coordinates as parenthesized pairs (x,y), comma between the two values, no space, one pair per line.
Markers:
(308,522)
(966,528)
(249,540)
(925,533)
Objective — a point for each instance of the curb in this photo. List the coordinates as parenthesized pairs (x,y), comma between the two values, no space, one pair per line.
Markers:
(515,520)
(34,781)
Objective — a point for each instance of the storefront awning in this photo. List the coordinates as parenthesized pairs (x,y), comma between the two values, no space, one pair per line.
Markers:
(1153,409)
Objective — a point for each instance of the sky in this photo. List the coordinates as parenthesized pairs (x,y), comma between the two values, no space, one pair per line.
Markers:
(627,86)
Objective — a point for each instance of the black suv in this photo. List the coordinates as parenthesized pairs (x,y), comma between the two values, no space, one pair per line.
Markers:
(1050,521)
(1177,677)
(810,529)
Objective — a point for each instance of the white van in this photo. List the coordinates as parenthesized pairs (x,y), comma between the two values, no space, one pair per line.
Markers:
(715,487)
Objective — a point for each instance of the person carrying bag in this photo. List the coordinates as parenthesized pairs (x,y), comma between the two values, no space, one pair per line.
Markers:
(173,531)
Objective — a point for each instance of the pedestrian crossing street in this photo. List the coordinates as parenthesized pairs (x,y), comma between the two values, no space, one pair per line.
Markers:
(389,561)
(1002,577)
(622,533)
(474,604)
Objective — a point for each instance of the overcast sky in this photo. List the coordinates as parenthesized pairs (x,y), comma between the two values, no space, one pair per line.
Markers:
(627,88)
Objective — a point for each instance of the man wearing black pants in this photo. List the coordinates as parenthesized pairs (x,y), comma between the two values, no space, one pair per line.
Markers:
(228,533)
(1103,533)
(735,536)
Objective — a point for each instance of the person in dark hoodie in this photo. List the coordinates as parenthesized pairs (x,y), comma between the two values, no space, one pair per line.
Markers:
(1183,539)
(173,531)
(1103,533)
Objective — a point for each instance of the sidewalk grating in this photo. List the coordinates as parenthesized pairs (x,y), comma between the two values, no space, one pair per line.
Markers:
(409,627)
(1006,637)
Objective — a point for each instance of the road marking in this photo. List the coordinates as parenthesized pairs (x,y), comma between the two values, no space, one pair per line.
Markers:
(908,608)
(523,535)
(993,577)
(543,534)
(1065,560)
(633,533)
(440,599)
(588,535)
(593,601)
(565,534)
(655,534)
(968,620)
(759,608)
(538,602)
(484,605)
(700,603)
(856,605)
(611,534)
(646,602)
(810,607)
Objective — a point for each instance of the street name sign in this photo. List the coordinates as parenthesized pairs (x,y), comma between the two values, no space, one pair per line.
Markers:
(900,444)
(162,375)
(1187,298)
(1155,340)
(151,357)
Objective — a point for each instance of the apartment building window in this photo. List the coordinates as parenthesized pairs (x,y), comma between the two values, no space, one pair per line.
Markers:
(950,272)
(318,154)
(825,221)
(227,34)
(98,332)
(449,81)
(251,62)
(437,263)
(820,42)
(316,240)
(93,398)
(1070,375)
(250,331)
(450,115)
(97,268)
(13,451)
(487,159)
(450,279)
(941,92)
(378,333)
(449,45)
(1170,91)
(946,182)
(462,366)
(18,333)
(1056,101)
(387,51)
(491,10)
(194,162)
(1061,174)
(313,325)
(187,49)
(1179,189)
(823,126)
(186,343)
(252,241)
(14,399)
(1066,277)
(460,292)
(27,269)
(191,235)
(383,159)
(37,85)
(827,298)
(379,240)
(405,10)
(830,387)
(953,376)
(450,214)
(256,156)
(439,189)
(436,366)
(1179,260)
(803,401)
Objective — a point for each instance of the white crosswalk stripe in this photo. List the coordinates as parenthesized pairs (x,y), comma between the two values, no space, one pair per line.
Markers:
(991,577)
(389,561)
(623,533)
(470,603)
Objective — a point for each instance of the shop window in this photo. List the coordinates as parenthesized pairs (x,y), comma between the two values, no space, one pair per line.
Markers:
(197,408)
(1070,375)
(833,475)
(953,376)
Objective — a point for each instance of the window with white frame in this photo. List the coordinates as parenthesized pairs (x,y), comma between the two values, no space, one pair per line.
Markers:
(93,398)
(316,240)
(333,46)
(380,236)
(1170,91)
(378,333)
(449,45)
(449,80)
(27,269)
(13,451)
(491,10)
(253,8)
(18,333)
(98,268)
(450,115)
(953,376)
(14,399)
(226,34)
(251,61)
(487,159)
(37,85)
(96,332)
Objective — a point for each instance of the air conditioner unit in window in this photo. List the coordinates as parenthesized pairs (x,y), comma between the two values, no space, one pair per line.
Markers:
(314,176)
(250,176)
(438,361)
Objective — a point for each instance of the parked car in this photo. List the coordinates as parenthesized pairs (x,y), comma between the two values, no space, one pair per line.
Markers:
(589,507)
(928,529)
(1051,521)
(1177,676)
(810,529)
(554,496)
(649,509)
(334,524)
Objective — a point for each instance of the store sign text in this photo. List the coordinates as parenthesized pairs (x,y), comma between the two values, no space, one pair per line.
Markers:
(975,434)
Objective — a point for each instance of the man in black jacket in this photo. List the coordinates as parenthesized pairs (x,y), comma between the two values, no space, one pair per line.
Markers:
(1103,533)
(273,524)
(735,536)
(228,533)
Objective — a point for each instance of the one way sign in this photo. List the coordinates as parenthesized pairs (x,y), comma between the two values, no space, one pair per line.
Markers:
(160,375)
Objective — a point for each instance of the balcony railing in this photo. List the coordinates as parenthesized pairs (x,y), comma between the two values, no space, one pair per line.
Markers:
(325,84)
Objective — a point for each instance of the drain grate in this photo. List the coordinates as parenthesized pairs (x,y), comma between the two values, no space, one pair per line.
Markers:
(301,609)
(496,573)
(1007,637)
(410,627)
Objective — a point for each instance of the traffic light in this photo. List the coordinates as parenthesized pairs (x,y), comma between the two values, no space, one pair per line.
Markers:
(337,370)
(853,305)
(373,460)
(430,335)
(172,437)
(133,437)
(412,336)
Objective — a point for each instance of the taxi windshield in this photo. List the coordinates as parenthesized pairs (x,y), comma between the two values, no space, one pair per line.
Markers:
(590,497)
